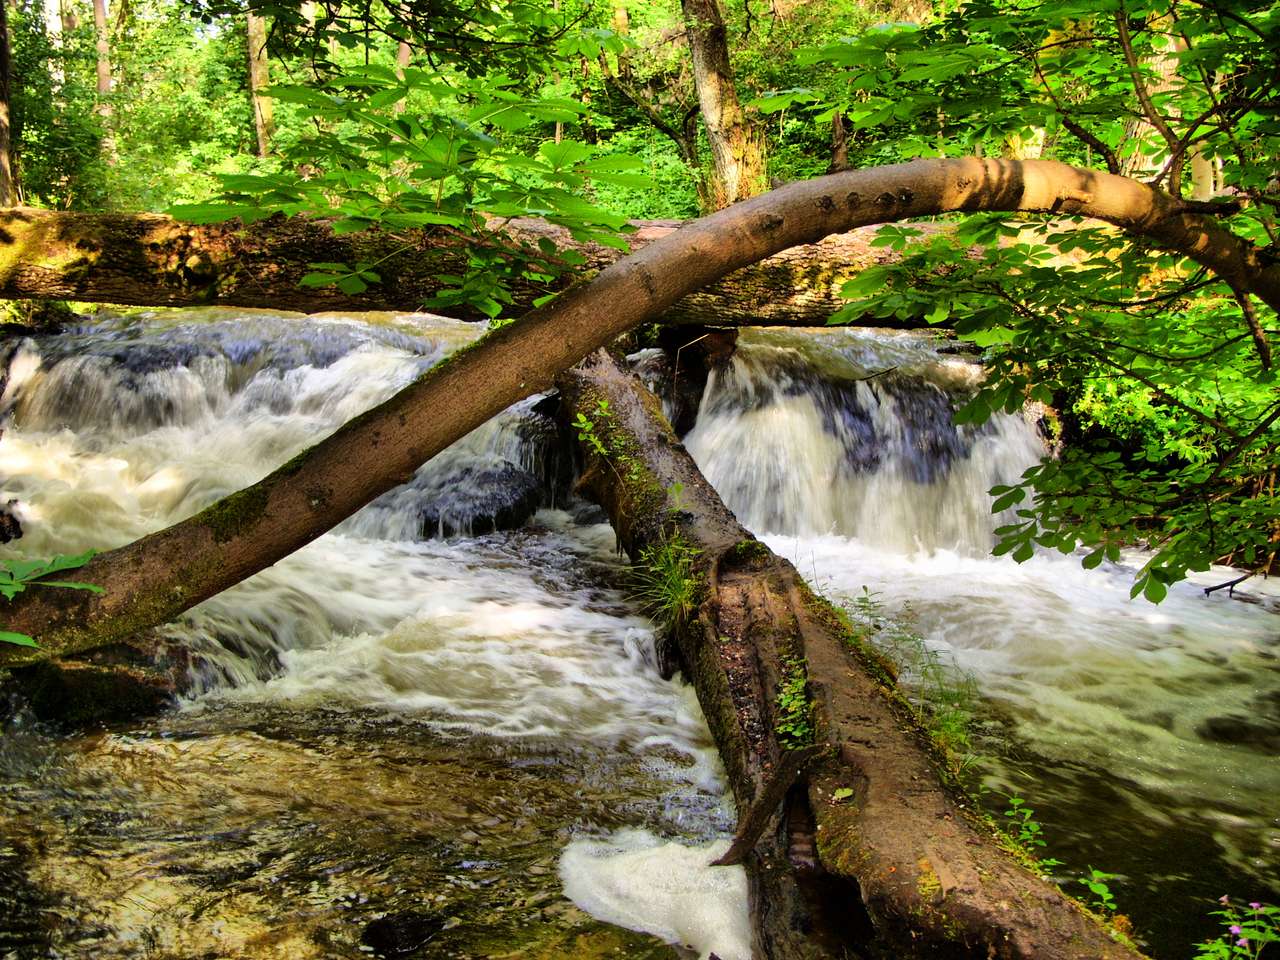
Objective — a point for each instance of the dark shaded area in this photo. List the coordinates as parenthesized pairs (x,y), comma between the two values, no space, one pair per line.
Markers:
(400,934)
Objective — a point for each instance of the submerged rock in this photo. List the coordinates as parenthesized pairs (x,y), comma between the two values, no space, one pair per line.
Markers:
(400,934)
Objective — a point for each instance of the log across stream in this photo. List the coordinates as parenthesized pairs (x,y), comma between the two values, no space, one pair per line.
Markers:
(439,746)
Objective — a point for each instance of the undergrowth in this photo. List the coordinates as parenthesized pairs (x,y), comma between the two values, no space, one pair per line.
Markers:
(795,721)
(664,583)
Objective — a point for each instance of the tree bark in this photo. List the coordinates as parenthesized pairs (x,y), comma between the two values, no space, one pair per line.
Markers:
(152,260)
(8,193)
(156,578)
(259,80)
(737,147)
(910,852)
(103,43)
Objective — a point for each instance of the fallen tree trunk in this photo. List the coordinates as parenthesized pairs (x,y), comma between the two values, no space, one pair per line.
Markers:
(154,579)
(775,666)
(155,261)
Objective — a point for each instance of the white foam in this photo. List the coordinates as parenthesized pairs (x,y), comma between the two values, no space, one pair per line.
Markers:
(667,889)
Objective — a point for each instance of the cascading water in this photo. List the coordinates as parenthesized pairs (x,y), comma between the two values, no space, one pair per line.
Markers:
(1144,736)
(392,742)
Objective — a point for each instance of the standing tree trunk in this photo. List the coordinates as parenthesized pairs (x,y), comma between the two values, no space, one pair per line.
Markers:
(737,147)
(404,55)
(103,109)
(259,79)
(8,195)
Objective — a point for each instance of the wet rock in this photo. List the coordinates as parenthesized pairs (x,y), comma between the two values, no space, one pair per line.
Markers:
(10,528)
(479,499)
(401,934)
(1248,732)
(111,685)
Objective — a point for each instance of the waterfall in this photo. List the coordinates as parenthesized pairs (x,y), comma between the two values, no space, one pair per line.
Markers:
(853,435)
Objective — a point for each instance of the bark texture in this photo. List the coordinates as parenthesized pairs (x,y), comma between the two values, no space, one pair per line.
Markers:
(154,579)
(930,874)
(259,80)
(737,148)
(152,260)
(8,192)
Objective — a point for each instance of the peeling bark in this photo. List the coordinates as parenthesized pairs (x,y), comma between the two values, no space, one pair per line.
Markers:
(930,873)
(154,579)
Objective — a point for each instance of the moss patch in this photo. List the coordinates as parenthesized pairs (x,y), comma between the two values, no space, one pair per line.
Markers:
(232,515)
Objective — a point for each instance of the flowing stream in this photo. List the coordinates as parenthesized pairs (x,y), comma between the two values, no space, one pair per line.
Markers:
(393,744)
(439,731)
(1145,737)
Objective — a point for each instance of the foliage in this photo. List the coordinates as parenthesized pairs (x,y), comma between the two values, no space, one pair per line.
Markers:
(444,167)
(1249,930)
(664,581)
(794,724)
(1102,899)
(1167,370)
(56,134)
(17,575)
(1026,831)
(586,428)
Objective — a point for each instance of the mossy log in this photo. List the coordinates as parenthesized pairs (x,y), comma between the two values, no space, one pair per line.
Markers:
(153,260)
(895,842)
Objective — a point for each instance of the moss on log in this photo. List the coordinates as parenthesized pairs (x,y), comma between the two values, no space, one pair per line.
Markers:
(774,665)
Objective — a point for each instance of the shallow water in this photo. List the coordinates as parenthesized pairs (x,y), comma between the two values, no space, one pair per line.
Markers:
(1144,736)
(390,742)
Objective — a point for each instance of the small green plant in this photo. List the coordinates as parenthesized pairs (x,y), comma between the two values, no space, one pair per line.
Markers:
(1248,931)
(1025,830)
(17,575)
(676,493)
(665,584)
(794,725)
(587,434)
(1101,898)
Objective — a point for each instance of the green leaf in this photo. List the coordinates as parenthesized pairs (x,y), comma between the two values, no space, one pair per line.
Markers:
(1154,590)
(20,639)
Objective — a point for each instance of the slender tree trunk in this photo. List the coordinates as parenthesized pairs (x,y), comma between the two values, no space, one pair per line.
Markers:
(8,191)
(737,147)
(404,56)
(839,144)
(1204,184)
(102,41)
(259,80)
(1149,132)
(153,580)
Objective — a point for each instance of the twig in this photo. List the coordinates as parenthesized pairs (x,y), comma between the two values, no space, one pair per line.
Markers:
(1255,328)
(1230,585)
